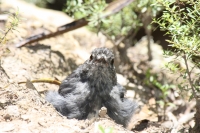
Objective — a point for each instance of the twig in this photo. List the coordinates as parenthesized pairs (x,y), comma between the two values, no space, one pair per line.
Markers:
(2,69)
(189,75)
(51,81)
(131,33)
(2,39)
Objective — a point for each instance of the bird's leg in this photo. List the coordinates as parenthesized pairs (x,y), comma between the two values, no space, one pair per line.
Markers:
(95,105)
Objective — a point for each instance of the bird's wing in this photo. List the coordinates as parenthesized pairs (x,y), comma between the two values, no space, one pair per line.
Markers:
(119,108)
(71,98)
(73,81)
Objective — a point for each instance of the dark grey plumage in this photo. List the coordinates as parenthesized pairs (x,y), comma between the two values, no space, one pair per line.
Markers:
(91,86)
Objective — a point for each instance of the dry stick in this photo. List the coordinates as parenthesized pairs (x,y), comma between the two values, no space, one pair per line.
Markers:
(189,75)
(2,69)
(131,33)
(112,8)
(51,81)
(5,35)
(65,28)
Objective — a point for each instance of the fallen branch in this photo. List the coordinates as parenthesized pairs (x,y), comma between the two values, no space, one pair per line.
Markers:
(112,8)
(65,28)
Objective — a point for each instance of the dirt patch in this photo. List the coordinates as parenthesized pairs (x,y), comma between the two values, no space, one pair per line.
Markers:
(22,106)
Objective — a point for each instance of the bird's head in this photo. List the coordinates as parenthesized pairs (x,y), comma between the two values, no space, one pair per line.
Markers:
(102,57)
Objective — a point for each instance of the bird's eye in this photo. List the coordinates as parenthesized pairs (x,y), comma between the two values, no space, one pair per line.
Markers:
(91,57)
(121,95)
(112,62)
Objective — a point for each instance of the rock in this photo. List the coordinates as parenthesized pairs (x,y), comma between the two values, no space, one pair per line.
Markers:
(13,110)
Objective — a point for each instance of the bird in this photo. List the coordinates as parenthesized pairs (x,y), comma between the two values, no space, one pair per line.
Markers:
(91,86)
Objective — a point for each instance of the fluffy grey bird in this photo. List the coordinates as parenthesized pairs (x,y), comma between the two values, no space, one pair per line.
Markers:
(91,86)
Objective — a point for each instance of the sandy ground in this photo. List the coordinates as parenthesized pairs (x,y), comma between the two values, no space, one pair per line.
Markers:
(22,106)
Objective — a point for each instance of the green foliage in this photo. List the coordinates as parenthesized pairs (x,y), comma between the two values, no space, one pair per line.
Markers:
(79,8)
(117,25)
(121,23)
(181,21)
(105,130)
(182,25)
(12,23)
(172,66)
(152,80)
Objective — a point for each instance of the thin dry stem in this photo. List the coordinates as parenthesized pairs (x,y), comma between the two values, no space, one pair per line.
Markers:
(189,76)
